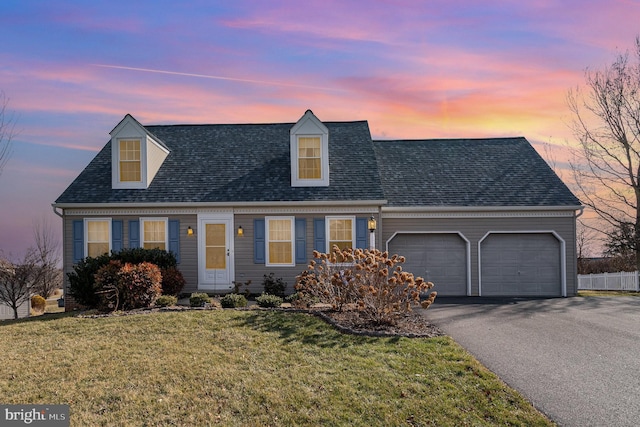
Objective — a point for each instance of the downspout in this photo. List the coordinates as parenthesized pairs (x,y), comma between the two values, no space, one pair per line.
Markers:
(64,281)
(56,212)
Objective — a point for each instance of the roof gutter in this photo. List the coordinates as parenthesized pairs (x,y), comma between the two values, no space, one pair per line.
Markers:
(219,204)
(55,211)
(409,209)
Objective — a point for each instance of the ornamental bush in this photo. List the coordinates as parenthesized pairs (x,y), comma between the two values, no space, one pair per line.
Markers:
(266,300)
(166,301)
(172,281)
(140,285)
(82,279)
(199,299)
(159,257)
(274,285)
(107,286)
(233,301)
(369,280)
(38,303)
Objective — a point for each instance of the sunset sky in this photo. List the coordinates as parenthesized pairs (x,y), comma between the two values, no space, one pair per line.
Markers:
(71,70)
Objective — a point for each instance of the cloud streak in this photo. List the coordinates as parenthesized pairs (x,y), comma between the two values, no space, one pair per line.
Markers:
(207,76)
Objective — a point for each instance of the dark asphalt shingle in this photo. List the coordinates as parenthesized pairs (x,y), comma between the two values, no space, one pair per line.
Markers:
(468,172)
(251,163)
(237,163)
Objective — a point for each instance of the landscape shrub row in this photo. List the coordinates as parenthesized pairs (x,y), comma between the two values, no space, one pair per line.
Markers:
(370,281)
(131,278)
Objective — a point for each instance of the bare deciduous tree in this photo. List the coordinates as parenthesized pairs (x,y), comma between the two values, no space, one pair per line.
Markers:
(17,281)
(47,251)
(7,131)
(606,123)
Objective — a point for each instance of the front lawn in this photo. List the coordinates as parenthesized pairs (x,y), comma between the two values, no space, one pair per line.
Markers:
(243,368)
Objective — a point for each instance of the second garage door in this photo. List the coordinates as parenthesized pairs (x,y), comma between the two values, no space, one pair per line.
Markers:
(439,258)
(520,264)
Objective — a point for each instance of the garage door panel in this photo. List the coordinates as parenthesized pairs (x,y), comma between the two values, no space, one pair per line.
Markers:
(439,258)
(525,264)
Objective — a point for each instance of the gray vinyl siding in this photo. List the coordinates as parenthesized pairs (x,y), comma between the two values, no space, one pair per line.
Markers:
(188,244)
(474,229)
(247,269)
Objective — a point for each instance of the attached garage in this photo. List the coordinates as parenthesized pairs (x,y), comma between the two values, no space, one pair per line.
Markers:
(437,257)
(521,264)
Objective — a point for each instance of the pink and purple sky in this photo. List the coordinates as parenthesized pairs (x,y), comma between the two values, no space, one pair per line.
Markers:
(414,69)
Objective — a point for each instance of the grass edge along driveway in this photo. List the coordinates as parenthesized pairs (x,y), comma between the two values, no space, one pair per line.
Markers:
(252,367)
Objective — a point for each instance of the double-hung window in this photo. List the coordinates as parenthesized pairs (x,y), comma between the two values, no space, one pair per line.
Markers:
(309,157)
(130,162)
(279,241)
(98,237)
(341,232)
(154,233)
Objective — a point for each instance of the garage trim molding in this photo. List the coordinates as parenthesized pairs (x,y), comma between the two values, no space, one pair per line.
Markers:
(563,255)
(462,236)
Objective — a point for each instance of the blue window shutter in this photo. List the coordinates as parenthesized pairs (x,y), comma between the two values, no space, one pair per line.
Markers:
(116,235)
(134,234)
(301,240)
(258,241)
(174,238)
(361,233)
(319,242)
(78,240)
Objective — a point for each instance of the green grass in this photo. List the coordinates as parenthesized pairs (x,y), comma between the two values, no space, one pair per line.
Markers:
(241,368)
(608,294)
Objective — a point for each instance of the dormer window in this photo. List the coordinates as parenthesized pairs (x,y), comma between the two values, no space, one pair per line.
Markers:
(309,152)
(309,157)
(136,155)
(130,164)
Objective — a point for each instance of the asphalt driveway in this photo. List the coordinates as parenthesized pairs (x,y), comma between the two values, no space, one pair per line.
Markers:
(577,359)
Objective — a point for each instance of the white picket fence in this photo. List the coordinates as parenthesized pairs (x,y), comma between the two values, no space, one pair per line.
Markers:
(622,281)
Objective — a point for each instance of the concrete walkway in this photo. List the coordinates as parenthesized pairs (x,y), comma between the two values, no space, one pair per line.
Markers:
(576,359)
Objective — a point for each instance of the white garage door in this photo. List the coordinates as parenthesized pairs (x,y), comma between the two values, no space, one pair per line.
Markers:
(526,264)
(438,258)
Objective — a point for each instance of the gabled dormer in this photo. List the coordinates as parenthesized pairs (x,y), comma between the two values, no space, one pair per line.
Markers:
(136,155)
(309,152)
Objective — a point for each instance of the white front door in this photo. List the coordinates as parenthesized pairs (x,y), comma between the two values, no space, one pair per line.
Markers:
(215,249)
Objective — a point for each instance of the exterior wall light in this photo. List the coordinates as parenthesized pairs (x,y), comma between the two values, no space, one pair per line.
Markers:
(240,231)
(371,224)
(189,231)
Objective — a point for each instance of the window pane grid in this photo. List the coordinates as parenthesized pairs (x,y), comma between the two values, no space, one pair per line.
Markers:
(309,158)
(341,233)
(97,238)
(280,241)
(154,235)
(130,165)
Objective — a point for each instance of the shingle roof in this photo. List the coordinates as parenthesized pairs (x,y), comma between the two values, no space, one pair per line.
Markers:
(237,163)
(468,172)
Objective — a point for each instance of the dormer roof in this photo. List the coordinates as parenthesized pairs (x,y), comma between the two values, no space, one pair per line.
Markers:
(235,163)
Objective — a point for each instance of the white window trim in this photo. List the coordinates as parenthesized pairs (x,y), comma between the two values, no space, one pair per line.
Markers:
(293,241)
(86,233)
(166,230)
(327,230)
(323,181)
(115,156)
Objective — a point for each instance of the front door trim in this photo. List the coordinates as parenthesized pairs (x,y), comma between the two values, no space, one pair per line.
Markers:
(203,283)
